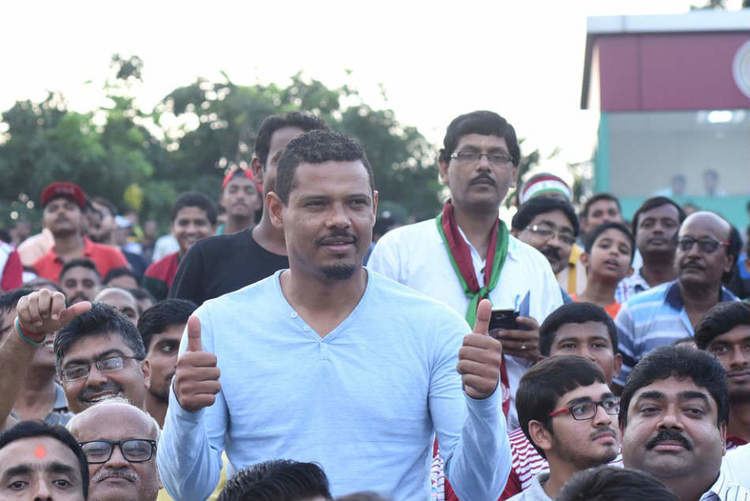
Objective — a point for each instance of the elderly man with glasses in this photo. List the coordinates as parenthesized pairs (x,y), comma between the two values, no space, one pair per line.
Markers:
(668,312)
(119,442)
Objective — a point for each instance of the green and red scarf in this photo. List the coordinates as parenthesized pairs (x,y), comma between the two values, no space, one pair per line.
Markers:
(460,257)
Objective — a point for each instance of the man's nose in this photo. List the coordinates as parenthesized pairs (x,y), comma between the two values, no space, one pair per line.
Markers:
(43,491)
(338,216)
(601,417)
(583,351)
(95,377)
(740,357)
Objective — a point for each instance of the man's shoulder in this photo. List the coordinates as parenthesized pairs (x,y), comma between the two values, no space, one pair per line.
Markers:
(162,266)
(224,243)
(257,292)
(652,297)
(409,233)
(104,251)
(393,291)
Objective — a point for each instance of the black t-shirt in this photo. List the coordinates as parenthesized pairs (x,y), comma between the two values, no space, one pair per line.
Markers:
(221,264)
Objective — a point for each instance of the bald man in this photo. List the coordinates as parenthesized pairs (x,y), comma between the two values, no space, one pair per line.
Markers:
(119,441)
(121,300)
(670,311)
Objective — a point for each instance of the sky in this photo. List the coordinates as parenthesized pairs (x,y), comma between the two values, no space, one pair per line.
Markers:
(434,60)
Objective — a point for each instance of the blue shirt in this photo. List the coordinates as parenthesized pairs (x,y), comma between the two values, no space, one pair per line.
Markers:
(653,318)
(364,401)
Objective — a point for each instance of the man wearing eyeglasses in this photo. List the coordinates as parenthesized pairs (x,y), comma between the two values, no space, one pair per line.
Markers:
(99,356)
(119,442)
(569,414)
(550,226)
(671,311)
(467,253)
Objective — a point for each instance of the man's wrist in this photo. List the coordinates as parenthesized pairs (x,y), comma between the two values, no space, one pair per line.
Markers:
(35,339)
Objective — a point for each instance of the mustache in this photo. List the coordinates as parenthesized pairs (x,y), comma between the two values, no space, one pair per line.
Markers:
(483,177)
(124,473)
(604,431)
(669,436)
(89,391)
(691,263)
(551,252)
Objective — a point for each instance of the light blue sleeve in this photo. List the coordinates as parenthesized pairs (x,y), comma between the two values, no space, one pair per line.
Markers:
(471,433)
(626,343)
(190,446)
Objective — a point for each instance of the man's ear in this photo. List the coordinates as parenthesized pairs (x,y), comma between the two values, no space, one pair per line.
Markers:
(514,232)
(540,435)
(728,262)
(617,363)
(375,198)
(146,369)
(584,258)
(723,434)
(257,168)
(275,209)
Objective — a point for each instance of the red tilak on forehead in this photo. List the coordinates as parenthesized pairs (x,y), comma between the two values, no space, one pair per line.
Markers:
(40,452)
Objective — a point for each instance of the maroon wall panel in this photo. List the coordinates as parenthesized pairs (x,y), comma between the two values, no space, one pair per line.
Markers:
(678,71)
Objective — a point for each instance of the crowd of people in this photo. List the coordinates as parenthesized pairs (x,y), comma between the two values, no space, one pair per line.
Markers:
(267,349)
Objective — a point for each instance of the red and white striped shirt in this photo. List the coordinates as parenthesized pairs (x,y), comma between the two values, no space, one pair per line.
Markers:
(526,464)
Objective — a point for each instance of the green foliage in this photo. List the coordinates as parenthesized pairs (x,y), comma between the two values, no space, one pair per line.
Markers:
(228,117)
(142,160)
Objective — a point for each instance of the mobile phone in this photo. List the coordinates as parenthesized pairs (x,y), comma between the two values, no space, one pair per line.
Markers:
(503,319)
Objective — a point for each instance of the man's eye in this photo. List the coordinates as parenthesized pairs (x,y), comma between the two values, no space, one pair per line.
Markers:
(695,412)
(18,485)
(567,346)
(167,348)
(648,410)
(62,483)
(719,350)
(581,409)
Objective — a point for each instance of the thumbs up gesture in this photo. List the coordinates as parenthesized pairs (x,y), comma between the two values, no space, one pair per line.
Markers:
(480,356)
(196,379)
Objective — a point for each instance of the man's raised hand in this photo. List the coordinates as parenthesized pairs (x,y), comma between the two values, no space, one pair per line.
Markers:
(196,379)
(43,312)
(480,356)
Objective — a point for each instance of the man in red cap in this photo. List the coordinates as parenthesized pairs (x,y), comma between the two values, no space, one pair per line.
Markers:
(240,197)
(63,204)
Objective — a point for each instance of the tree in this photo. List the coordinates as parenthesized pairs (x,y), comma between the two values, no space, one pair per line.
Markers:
(228,116)
(142,160)
(105,151)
